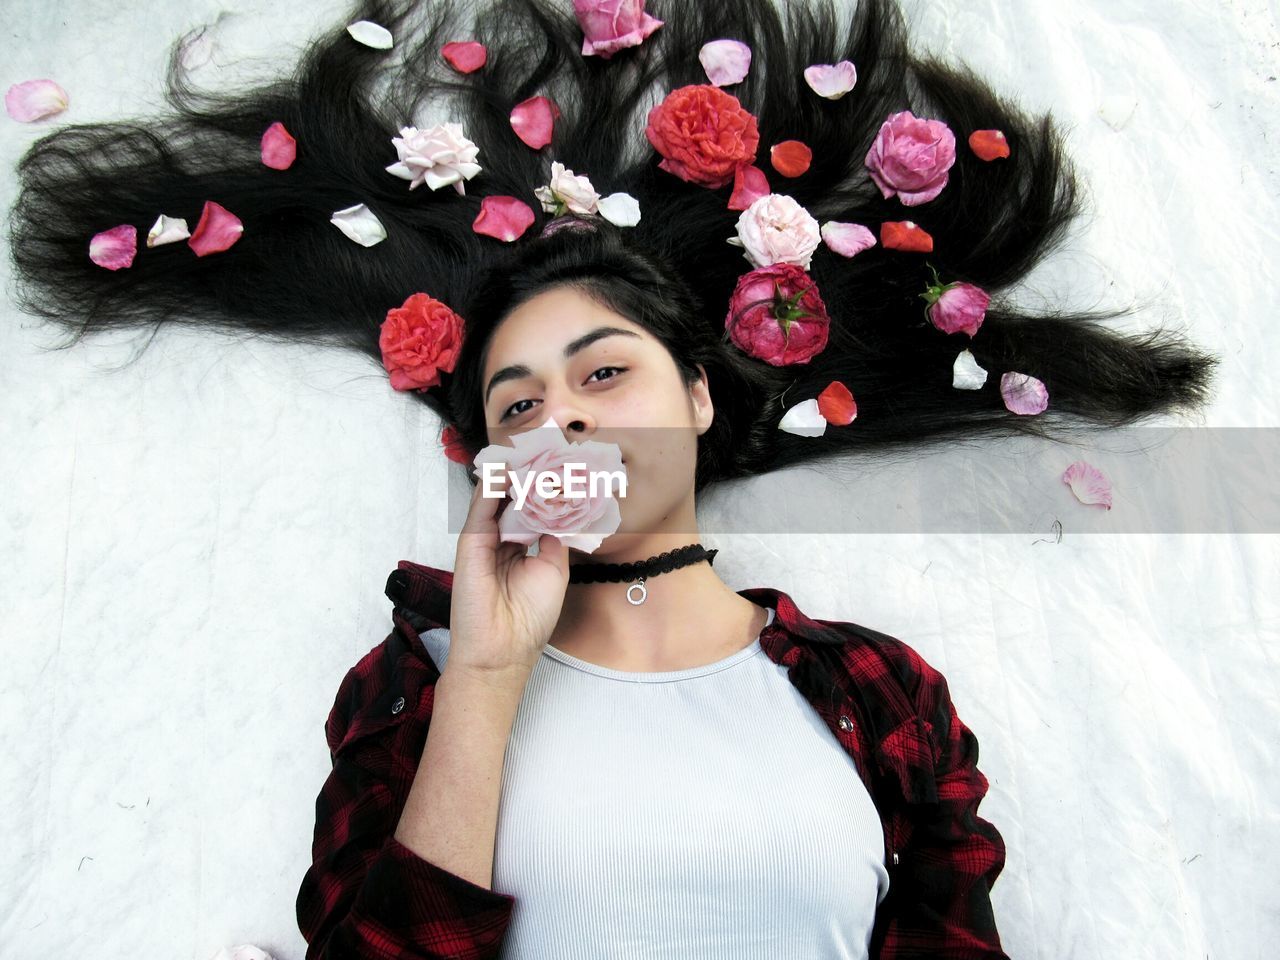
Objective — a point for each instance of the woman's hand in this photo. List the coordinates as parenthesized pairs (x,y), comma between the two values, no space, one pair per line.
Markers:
(505,605)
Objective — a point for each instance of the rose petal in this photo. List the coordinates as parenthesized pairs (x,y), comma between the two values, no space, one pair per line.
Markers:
(1088,483)
(804,420)
(218,230)
(790,158)
(453,446)
(965,372)
(1023,393)
(279,149)
(371,34)
(465,56)
(905,235)
(847,239)
(35,99)
(114,248)
(836,404)
(726,61)
(503,218)
(620,209)
(359,224)
(533,120)
(167,230)
(988,144)
(831,80)
(749,185)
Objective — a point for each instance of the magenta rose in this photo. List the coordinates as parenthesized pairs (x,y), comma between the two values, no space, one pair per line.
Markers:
(776,315)
(960,308)
(610,25)
(911,157)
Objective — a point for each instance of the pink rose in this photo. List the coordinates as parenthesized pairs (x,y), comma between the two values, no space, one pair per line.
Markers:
(610,25)
(911,157)
(573,191)
(776,229)
(438,157)
(959,308)
(580,522)
(776,315)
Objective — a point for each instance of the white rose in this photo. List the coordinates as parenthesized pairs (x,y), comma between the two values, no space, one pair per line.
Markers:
(437,157)
(776,229)
(575,192)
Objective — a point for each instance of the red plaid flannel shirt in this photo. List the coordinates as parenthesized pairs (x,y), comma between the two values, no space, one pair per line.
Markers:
(368,896)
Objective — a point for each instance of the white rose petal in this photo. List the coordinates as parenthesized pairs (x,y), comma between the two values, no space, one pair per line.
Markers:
(620,209)
(167,230)
(965,372)
(371,34)
(360,224)
(804,420)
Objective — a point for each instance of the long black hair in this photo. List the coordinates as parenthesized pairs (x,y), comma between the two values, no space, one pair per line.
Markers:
(293,275)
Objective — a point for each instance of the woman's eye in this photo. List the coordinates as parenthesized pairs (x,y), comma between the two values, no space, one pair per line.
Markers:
(511,410)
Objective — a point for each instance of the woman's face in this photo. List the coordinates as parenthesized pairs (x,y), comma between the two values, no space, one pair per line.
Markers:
(622,387)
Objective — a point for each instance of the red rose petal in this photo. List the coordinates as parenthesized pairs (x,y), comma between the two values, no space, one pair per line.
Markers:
(279,149)
(836,404)
(465,56)
(453,447)
(218,230)
(790,158)
(905,235)
(503,218)
(749,185)
(114,249)
(533,120)
(988,144)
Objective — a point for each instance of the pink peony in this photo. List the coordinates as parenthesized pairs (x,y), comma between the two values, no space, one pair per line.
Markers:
(611,25)
(579,522)
(776,315)
(776,229)
(911,157)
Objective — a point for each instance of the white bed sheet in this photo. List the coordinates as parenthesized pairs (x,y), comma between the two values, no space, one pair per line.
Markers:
(194,548)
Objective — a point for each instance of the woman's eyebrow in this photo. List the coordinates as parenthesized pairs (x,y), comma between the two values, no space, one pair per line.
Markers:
(518,370)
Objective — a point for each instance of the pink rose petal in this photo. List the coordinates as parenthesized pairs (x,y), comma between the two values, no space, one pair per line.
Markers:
(847,239)
(114,248)
(503,218)
(1088,483)
(466,56)
(829,80)
(279,149)
(35,99)
(726,61)
(1023,393)
(218,230)
(533,120)
(749,185)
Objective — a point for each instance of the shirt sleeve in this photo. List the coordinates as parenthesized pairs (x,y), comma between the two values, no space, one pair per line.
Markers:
(367,896)
(952,856)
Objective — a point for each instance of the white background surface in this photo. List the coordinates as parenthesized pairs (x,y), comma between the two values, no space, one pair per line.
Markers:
(194,549)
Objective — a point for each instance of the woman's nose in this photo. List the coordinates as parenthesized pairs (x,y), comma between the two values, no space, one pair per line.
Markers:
(575,420)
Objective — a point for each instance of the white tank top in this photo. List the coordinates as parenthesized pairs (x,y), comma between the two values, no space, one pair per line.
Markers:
(705,813)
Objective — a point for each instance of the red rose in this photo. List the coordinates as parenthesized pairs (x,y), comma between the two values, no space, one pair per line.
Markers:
(776,315)
(419,340)
(704,134)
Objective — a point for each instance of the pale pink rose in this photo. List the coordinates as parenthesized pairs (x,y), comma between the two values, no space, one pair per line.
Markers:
(961,309)
(438,157)
(579,522)
(610,25)
(575,192)
(910,157)
(776,229)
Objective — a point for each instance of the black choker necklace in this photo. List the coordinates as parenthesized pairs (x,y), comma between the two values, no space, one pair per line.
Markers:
(640,570)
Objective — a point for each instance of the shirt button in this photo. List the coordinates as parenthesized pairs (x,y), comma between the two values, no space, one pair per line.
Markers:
(398,705)
(845,723)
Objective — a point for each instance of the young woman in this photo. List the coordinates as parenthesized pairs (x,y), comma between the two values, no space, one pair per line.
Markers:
(533,764)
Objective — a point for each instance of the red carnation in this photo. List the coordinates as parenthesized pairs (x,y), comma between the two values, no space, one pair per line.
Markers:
(776,315)
(419,340)
(704,134)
